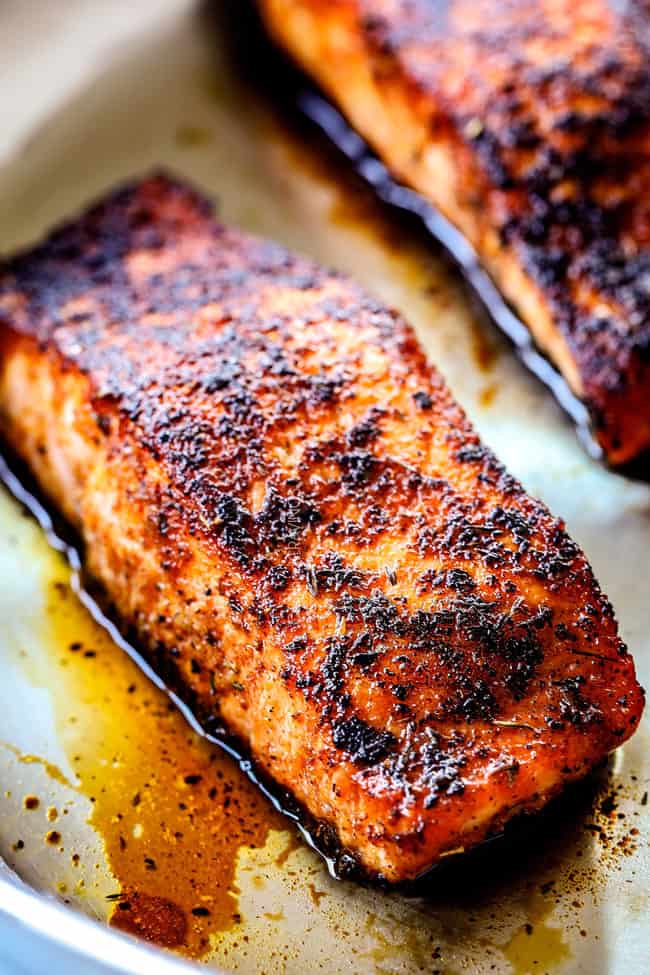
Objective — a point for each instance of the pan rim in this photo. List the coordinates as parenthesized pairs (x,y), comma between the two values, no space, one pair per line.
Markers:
(38,915)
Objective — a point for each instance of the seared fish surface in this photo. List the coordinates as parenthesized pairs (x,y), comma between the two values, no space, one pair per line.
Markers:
(528,125)
(281,498)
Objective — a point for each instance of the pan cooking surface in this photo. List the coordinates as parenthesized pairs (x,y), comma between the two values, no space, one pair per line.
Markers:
(100,771)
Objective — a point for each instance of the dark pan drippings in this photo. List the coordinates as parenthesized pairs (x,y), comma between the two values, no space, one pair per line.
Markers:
(296,96)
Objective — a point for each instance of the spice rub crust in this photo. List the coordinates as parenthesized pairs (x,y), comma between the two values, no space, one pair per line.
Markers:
(528,125)
(281,498)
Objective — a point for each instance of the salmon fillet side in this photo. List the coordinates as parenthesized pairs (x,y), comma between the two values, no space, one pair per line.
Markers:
(281,498)
(528,126)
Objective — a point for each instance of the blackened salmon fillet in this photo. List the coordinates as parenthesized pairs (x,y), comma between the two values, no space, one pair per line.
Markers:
(278,494)
(527,125)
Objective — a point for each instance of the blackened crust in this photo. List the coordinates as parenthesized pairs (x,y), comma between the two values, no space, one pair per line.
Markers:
(310,533)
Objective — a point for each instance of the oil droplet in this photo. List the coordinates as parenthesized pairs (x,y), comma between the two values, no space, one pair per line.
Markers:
(293,843)
(484,351)
(487,395)
(172,810)
(417,942)
(536,946)
(316,895)
(52,770)
(274,916)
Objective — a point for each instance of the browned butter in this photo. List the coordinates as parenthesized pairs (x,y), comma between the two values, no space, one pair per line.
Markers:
(173,811)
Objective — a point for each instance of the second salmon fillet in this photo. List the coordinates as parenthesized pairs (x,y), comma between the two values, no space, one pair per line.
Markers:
(528,126)
(280,497)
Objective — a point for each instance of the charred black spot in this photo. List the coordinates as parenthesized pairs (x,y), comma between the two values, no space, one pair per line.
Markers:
(367,430)
(574,706)
(221,377)
(324,389)
(296,645)
(363,743)
(279,577)
(426,628)
(376,611)
(423,400)
(475,701)
(283,518)
(471,453)
(459,580)
(233,526)
(332,667)
(441,769)
(357,467)
(562,632)
(365,659)
(334,574)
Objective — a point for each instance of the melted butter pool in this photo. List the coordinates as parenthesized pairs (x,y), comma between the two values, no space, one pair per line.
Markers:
(172,811)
